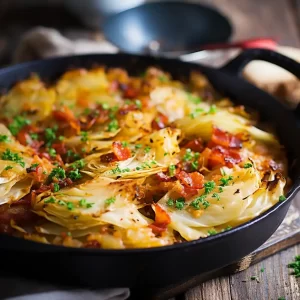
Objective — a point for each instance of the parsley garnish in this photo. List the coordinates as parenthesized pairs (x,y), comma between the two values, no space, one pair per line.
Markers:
(170,202)
(50,136)
(195,165)
(9,155)
(8,168)
(89,205)
(281,298)
(147,149)
(82,202)
(50,200)
(87,111)
(52,152)
(138,146)
(79,164)
(4,138)
(105,106)
(34,165)
(172,169)
(113,126)
(17,124)
(212,109)
(163,78)
(254,278)
(212,232)
(196,112)
(209,186)
(70,205)
(74,175)
(200,200)
(193,98)
(225,181)
(110,200)
(282,198)
(124,144)
(138,104)
(62,203)
(247,165)
(58,173)
(215,195)
(56,187)
(178,203)
(262,270)
(221,190)
(84,136)
(34,136)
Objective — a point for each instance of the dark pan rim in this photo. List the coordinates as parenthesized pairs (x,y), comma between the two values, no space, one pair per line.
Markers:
(116,252)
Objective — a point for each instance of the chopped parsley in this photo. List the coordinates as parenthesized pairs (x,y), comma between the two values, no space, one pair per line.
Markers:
(4,138)
(9,155)
(212,232)
(178,203)
(281,298)
(217,196)
(119,170)
(62,203)
(172,169)
(87,111)
(196,112)
(147,149)
(8,168)
(16,125)
(89,205)
(105,106)
(50,136)
(58,173)
(52,152)
(113,126)
(247,165)
(193,98)
(49,200)
(282,198)
(200,200)
(188,155)
(70,205)
(138,146)
(82,202)
(124,144)
(84,136)
(61,138)
(138,104)
(56,187)
(110,200)
(195,165)
(225,181)
(74,175)
(262,270)
(209,186)
(212,109)
(79,164)
(295,265)
(254,278)
(34,136)
(34,165)
(228,227)
(221,190)
(163,78)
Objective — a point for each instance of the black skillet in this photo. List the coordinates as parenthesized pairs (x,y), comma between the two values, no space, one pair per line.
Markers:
(166,265)
(167,28)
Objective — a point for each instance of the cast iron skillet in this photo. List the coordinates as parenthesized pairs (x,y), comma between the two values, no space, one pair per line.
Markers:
(166,265)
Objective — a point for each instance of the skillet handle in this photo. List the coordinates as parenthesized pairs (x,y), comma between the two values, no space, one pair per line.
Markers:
(236,66)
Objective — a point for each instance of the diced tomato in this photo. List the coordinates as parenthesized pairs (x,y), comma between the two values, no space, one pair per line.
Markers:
(225,139)
(122,153)
(160,122)
(195,145)
(193,180)
(162,219)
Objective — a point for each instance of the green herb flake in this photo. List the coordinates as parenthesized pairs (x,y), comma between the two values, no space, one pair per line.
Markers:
(138,146)
(138,104)
(188,155)
(61,138)
(110,201)
(113,126)
(212,109)
(295,265)
(217,196)
(179,203)
(74,175)
(58,173)
(124,144)
(163,78)
(170,202)
(196,112)
(172,169)
(193,98)
(282,198)
(105,106)
(9,155)
(70,205)
(89,205)
(247,165)
(56,187)
(49,200)
(87,111)
(62,203)
(8,168)
(16,125)
(84,136)
(211,232)
(82,202)
(262,270)
(209,186)
(147,149)
(221,190)
(79,164)
(281,298)
(4,138)
(52,152)
(195,165)
(50,136)
(34,165)
(225,181)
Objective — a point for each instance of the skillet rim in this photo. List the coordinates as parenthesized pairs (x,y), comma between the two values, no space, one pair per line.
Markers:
(144,251)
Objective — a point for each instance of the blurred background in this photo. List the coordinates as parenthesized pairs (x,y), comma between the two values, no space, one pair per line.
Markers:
(84,19)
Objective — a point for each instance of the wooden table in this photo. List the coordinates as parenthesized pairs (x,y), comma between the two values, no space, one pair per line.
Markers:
(251,18)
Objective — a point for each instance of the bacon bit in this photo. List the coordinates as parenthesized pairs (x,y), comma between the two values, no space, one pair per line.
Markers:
(25,139)
(225,139)
(92,244)
(60,148)
(193,180)
(122,153)
(195,145)
(162,219)
(186,166)
(163,177)
(160,122)
(67,116)
(107,158)
(126,109)
(36,173)
(223,157)
(62,183)
(128,91)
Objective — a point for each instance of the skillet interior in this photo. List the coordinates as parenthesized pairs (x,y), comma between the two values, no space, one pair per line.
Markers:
(159,266)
